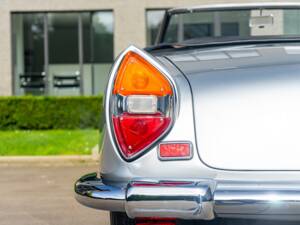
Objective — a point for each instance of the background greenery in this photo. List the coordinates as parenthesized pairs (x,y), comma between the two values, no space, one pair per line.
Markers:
(44,113)
(48,142)
(49,125)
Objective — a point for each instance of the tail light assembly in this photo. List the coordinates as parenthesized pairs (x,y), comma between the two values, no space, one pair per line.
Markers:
(140,103)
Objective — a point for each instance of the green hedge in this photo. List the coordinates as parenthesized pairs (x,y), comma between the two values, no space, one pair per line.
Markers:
(39,113)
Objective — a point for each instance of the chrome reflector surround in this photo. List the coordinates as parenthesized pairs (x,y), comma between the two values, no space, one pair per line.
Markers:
(117,103)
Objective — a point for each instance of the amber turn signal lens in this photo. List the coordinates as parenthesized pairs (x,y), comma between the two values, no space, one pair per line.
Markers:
(136,76)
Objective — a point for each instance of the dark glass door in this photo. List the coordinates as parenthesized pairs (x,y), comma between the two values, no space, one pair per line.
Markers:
(102,49)
(64,54)
(29,64)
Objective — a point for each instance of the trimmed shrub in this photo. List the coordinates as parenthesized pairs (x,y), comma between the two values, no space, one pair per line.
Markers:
(40,113)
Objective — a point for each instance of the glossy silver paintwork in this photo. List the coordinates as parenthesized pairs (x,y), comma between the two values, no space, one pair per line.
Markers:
(250,192)
(246,105)
(148,167)
(114,168)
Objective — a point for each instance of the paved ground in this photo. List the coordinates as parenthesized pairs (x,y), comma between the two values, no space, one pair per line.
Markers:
(43,195)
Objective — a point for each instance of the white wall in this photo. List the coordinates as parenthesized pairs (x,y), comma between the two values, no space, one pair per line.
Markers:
(129,15)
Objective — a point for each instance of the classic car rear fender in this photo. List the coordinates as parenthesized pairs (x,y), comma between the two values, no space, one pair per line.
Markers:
(115,168)
(149,186)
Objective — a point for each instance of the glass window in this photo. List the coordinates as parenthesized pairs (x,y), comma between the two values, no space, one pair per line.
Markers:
(194,30)
(86,36)
(230,29)
(171,35)
(291,22)
(28,36)
(63,37)
(154,18)
(253,23)
(64,70)
(62,53)
(102,48)
(207,25)
(103,29)
(33,42)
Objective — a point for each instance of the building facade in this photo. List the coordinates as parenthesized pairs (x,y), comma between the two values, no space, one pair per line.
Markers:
(66,47)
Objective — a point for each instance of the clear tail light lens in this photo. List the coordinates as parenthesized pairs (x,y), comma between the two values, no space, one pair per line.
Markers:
(141,104)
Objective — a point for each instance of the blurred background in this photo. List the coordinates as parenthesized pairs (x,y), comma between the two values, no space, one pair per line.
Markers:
(55,57)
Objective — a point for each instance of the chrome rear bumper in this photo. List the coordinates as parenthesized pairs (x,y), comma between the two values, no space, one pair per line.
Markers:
(204,199)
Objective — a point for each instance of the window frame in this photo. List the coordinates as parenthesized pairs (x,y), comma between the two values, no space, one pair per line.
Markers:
(159,27)
(46,44)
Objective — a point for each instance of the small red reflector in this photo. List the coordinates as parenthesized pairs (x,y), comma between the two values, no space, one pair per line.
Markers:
(175,150)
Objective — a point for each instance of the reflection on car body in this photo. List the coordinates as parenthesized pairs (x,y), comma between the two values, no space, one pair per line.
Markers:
(204,125)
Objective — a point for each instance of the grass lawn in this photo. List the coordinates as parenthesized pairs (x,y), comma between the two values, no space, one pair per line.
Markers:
(48,142)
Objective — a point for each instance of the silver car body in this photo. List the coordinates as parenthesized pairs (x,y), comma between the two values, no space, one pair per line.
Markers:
(233,105)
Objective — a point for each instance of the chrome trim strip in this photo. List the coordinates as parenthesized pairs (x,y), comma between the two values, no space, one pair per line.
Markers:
(235,6)
(203,199)
(92,192)
(108,100)
(249,198)
(187,201)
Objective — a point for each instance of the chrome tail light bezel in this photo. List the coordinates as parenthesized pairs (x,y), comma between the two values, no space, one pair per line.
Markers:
(108,102)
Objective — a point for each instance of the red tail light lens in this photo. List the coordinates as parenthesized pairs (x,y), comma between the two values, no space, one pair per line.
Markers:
(142,104)
(136,132)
